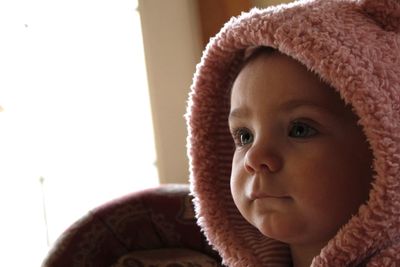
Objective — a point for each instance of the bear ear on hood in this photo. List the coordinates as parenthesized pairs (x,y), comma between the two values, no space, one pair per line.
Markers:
(386,13)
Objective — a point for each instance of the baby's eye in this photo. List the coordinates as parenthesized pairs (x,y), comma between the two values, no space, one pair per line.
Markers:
(301,130)
(242,136)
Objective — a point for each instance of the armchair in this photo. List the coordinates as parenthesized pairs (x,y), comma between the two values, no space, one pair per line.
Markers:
(153,227)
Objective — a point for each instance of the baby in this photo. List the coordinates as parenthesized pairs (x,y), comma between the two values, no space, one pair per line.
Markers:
(299,153)
(312,175)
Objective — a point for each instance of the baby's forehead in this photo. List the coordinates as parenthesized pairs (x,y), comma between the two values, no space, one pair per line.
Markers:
(270,74)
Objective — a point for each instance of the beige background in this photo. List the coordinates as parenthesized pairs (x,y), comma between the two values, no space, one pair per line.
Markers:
(173,45)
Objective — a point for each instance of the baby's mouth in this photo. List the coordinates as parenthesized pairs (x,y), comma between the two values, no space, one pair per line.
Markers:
(262,195)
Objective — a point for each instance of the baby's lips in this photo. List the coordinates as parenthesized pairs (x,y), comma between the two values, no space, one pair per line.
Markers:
(260,195)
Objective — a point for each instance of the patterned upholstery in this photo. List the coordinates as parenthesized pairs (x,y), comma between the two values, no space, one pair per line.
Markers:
(153,219)
(166,258)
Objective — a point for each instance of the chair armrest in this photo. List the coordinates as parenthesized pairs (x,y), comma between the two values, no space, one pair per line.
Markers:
(161,217)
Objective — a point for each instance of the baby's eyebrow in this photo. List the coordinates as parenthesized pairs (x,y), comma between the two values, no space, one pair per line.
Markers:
(294,104)
(288,106)
(238,113)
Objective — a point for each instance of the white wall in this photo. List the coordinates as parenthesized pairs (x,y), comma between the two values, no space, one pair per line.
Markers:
(172,43)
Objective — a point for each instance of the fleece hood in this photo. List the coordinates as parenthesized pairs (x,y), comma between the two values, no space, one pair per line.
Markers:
(355,47)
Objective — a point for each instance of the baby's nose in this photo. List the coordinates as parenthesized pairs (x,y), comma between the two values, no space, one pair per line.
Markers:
(262,158)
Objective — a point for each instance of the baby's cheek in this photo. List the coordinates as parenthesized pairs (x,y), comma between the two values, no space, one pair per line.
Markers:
(326,211)
(239,197)
(237,179)
(237,189)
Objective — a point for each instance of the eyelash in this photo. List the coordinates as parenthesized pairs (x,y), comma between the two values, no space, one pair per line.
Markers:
(237,134)
(303,124)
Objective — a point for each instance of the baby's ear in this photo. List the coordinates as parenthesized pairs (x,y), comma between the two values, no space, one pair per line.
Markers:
(386,13)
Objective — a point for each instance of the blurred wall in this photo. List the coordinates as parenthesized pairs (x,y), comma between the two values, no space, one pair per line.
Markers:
(172,42)
(174,35)
(213,14)
(266,3)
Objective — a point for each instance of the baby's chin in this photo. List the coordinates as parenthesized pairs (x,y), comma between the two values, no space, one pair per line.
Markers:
(274,225)
(289,230)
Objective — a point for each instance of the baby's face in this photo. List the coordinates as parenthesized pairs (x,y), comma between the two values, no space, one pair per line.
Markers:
(301,167)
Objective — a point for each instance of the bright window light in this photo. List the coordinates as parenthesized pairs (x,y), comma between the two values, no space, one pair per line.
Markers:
(76,128)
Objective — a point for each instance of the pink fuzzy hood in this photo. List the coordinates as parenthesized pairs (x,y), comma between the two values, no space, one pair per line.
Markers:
(354,45)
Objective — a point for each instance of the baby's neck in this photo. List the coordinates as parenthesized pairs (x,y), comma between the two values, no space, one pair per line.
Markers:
(302,256)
